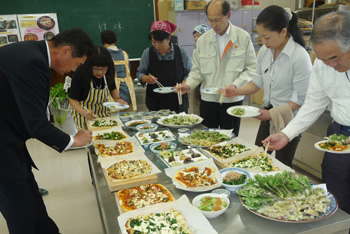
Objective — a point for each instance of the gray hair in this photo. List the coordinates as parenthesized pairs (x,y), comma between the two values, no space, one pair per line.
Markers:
(333,26)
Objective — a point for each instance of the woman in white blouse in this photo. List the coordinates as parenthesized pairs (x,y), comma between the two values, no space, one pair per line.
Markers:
(283,70)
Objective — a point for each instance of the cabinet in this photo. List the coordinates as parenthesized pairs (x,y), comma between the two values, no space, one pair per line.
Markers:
(187,20)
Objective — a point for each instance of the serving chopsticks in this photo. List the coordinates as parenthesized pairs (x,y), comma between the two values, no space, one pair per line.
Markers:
(95,116)
(265,153)
(179,95)
(221,98)
(157,82)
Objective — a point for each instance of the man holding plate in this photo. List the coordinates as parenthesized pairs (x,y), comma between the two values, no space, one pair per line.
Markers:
(224,55)
(329,86)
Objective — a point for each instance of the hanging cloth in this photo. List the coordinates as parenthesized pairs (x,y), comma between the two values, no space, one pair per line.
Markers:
(128,80)
(94,102)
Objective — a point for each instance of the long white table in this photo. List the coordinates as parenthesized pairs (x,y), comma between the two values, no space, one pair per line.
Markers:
(236,219)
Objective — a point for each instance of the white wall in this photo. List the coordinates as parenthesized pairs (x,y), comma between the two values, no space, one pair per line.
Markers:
(282,3)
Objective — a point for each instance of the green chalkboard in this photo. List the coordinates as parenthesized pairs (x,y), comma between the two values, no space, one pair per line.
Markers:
(129,19)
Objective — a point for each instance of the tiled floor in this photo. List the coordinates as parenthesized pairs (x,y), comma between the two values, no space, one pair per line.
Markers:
(71,202)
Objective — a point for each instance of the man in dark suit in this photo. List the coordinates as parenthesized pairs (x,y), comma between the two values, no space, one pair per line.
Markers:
(24,95)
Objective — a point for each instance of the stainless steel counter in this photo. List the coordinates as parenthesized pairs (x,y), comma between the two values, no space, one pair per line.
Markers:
(236,219)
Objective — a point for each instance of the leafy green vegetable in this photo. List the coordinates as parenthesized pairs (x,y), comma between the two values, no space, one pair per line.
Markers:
(57,91)
(271,188)
(236,181)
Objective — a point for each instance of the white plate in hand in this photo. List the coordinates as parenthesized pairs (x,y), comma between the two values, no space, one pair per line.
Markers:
(249,111)
(347,151)
(212,90)
(115,106)
(164,90)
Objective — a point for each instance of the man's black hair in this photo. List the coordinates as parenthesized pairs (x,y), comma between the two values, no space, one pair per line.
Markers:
(80,41)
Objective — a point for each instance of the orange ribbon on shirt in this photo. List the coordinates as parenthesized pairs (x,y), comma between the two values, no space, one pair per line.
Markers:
(228,46)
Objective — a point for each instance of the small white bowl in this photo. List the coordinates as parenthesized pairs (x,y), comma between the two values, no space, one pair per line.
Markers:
(233,188)
(125,116)
(163,112)
(147,127)
(154,145)
(148,117)
(196,202)
(222,191)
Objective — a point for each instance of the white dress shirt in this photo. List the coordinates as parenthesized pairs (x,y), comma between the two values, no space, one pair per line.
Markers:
(286,78)
(327,86)
(223,40)
(211,70)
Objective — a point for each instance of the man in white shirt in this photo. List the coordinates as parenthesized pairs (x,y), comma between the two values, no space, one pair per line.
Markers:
(329,84)
(224,56)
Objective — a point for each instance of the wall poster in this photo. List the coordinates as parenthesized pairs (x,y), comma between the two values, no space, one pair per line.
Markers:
(36,27)
(9,31)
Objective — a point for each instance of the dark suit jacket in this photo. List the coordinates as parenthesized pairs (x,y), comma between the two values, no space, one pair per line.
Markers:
(24,94)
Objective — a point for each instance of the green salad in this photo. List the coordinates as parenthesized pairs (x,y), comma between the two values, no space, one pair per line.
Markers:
(212,204)
(234,178)
(181,120)
(238,111)
(204,138)
(340,139)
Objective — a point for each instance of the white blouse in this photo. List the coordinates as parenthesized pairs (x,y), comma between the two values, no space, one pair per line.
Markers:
(285,79)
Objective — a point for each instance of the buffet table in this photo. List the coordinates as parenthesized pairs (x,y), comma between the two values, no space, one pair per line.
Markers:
(236,219)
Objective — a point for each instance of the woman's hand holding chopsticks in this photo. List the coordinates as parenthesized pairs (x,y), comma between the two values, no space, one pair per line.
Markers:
(89,114)
(149,79)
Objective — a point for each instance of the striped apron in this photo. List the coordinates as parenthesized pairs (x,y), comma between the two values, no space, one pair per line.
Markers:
(94,102)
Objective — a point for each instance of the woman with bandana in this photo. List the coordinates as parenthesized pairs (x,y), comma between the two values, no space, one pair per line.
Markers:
(166,63)
(199,30)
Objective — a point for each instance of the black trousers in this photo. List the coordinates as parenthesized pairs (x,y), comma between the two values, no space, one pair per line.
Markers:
(215,116)
(336,172)
(23,207)
(286,154)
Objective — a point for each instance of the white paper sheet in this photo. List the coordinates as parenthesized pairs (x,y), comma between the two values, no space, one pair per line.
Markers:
(235,140)
(256,152)
(116,118)
(196,221)
(171,172)
(138,150)
(114,129)
(109,162)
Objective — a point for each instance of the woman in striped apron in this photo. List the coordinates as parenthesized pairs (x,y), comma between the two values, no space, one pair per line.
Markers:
(92,84)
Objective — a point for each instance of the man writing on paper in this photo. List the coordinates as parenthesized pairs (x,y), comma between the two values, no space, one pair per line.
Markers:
(24,94)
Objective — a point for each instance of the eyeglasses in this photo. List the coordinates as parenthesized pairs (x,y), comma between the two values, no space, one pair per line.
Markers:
(95,69)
